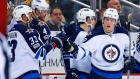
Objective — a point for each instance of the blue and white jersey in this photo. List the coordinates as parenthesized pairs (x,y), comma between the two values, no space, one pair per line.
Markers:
(107,51)
(26,49)
(83,65)
(43,30)
(70,62)
(137,53)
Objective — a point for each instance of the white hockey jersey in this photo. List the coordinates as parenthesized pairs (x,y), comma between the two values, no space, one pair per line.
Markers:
(137,53)
(107,51)
(26,49)
(82,64)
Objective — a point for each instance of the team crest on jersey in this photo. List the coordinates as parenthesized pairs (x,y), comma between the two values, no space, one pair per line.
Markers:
(30,31)
(111,53)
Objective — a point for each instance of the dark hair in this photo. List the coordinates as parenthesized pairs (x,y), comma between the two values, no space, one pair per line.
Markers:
(54,7)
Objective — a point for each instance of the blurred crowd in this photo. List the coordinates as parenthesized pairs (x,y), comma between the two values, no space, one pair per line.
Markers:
(68,10)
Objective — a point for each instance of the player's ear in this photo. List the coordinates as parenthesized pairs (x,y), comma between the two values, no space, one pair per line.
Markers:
(24,18)
(88,20)
(36,11)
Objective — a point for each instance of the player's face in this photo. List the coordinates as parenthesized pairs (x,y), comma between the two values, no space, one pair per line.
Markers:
(109,24)
(43,14)
(93,21)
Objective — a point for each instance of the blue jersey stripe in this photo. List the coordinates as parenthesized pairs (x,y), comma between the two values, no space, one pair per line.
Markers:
(84,53)
(38,53)
(108,74)
(45,53)
(32,76)
(68,56)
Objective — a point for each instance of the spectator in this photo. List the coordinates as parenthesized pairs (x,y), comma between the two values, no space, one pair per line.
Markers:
(55,23)
(116,5)
(99,22)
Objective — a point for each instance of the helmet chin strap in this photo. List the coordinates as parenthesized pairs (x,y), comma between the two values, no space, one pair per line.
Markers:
(91,27)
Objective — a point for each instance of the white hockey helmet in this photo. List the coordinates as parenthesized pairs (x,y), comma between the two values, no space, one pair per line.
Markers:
(83,13)
(20,10)
(40,5)
(111,13)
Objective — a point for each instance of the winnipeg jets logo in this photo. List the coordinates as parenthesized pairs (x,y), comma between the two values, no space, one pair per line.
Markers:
(30,31)
(110,53)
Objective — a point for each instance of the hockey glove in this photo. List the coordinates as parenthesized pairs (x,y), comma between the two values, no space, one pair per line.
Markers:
(58,40)
(70,29)
(129,65)
(70,47)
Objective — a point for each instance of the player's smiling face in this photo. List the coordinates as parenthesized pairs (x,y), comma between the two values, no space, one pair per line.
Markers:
(109,24)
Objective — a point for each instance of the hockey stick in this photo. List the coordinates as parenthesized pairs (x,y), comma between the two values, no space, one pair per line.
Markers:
(129,58)
(62,58)
(61,51)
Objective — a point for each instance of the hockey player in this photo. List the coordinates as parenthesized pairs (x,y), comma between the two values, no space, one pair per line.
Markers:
(106,48)
(4,64)
(137,55)
(27,47)
(40,10)
(86,20)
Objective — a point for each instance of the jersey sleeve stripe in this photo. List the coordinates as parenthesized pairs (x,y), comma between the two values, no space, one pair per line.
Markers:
(84,53)
(38,53)
(45,53)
